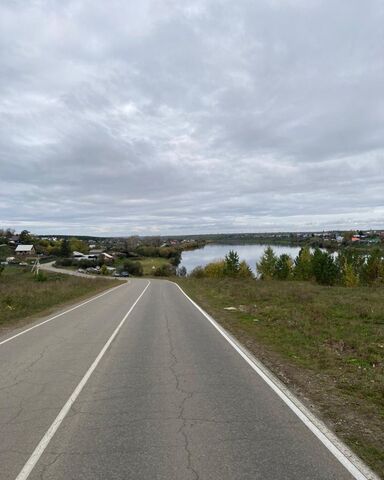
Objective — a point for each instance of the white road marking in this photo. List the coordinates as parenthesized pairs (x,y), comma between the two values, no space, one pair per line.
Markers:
(60,314)
(39,450)
(344,455)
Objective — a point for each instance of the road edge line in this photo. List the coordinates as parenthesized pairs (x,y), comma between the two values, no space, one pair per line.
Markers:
(44,442)
(110,290)
(356,467)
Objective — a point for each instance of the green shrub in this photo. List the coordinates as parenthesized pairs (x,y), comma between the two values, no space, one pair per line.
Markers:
(215,269)
(166,270)
(198,272)
(134,268)
(373,268)
(40,276)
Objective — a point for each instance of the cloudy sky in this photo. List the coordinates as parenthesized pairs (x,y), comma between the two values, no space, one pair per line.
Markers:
(178,116)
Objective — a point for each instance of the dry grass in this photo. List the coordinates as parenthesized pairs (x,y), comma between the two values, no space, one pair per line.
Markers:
(21,296)
(327,343)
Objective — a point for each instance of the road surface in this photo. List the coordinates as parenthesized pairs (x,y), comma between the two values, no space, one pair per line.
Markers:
(107,391)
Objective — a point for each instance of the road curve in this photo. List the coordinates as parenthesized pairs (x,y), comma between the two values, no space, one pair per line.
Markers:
(169,398)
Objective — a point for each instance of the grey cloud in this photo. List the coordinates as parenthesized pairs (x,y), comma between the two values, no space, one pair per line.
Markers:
(181,117)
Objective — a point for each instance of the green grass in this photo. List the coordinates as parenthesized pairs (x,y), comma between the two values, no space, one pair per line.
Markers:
(327,343)
(149,262)
(21,296)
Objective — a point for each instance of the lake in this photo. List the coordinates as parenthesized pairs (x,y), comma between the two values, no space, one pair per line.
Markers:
(250,253)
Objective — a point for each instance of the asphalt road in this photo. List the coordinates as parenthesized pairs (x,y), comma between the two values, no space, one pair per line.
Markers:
(168,399)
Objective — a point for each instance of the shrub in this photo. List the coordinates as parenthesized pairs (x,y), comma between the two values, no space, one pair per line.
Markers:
(373,268)
(40,276)
(166,270)
(267,265)
(64,262)
(1,269)
(104,270)
(87,263)
(215,269)
(134,268)
(197,272)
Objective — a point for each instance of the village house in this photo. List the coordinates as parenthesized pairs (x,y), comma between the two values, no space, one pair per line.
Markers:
(25,250)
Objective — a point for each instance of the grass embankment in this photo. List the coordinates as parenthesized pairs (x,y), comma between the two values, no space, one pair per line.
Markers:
(326,343)
(22,297)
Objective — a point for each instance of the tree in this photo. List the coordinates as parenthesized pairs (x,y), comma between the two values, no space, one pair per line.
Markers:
(373,269)
(245,270)
(267,265)
(284,267)
(78,245)
(324,268)
(232,263)
(1,269)
(25,237)
(65,248)
(303,265)
(350,277)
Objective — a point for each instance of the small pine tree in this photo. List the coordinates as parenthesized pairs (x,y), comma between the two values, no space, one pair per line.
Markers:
(245,270)
(325,269)
(65,248)
(303,265)
(284,267)
(267,265)
(232,263)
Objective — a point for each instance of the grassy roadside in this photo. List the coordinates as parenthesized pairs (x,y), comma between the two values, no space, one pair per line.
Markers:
(22,297)
(326,344)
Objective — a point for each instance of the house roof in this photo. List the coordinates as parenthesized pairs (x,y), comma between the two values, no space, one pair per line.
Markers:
(24,248)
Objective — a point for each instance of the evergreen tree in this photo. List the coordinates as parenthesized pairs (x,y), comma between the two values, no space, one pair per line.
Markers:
(65,248)
(267,265)
(232,263)
(284,267)
(303,265)
(325,269)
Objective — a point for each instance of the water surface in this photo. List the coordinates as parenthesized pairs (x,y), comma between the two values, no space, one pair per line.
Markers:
(250,253)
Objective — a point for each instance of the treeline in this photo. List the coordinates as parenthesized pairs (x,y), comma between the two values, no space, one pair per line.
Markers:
(346,268)
(350,269)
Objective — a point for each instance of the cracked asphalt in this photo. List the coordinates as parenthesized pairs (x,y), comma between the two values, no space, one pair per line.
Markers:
(171,399)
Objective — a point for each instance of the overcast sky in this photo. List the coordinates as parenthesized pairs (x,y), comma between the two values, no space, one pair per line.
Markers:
(122,117)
